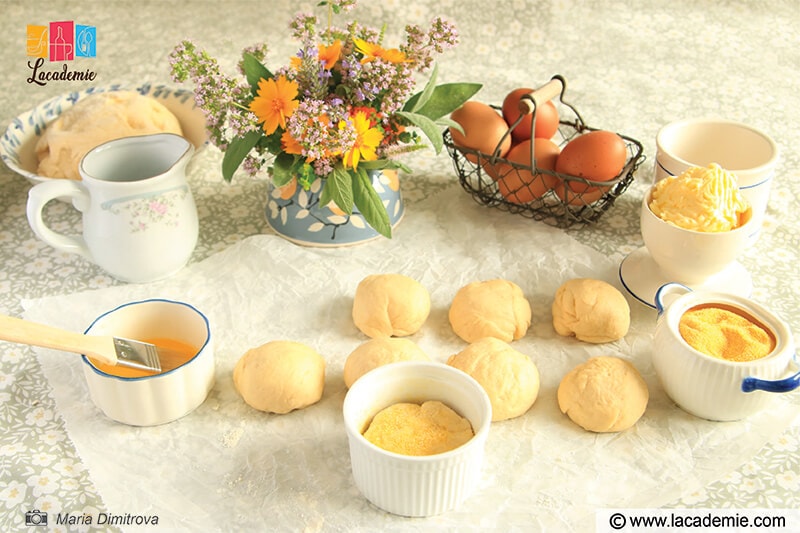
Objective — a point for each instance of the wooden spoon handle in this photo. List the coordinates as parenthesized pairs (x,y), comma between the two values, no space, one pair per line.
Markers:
(25,332)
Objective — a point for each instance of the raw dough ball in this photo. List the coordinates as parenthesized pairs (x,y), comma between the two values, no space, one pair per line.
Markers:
(379,351)
(592,310)
(510,378)
(280,376)
(495,308)
(96,119)
(604,394)
(390,305)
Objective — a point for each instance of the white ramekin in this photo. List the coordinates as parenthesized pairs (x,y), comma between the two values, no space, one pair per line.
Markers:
(160,398)
(416,485)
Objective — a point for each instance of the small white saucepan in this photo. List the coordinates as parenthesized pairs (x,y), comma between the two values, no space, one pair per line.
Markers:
(711,387)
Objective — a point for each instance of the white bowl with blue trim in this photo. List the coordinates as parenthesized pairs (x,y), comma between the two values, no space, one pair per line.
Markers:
(17,145)
(158,398)
(711,387)
(743,150)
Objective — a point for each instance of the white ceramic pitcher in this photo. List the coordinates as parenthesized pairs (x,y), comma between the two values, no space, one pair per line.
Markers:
(139,216)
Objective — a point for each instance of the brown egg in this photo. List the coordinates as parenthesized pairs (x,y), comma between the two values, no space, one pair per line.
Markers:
(520,186)
(483,129)
(597,156)
(546,117)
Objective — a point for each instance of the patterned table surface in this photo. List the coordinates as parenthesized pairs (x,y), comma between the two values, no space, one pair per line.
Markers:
(631,69)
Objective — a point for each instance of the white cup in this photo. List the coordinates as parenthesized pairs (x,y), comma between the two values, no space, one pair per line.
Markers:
(745,151)
(688,256)
(139,216)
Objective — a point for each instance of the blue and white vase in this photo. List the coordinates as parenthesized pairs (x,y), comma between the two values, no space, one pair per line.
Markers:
(296,214)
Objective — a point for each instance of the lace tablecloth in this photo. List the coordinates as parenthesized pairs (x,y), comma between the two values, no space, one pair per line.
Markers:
(630,69)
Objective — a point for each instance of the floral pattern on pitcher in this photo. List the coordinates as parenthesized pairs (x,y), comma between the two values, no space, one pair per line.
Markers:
(147,211)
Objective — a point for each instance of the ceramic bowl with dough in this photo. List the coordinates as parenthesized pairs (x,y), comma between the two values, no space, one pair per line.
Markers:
(591,310)
(605,394)
(17,145)
(495,308)
(280,376)
(509,377)
(416,485)
(390,305)
(94,121)
(377,352)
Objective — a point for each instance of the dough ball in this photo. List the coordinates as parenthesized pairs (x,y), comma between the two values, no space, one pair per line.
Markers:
(280,376)
(379,351)
(495,308)
(592,310)
(94,120)
(510,378)
(604,394)
(390,305)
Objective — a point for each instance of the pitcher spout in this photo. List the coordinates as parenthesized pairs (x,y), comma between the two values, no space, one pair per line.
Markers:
(137,158)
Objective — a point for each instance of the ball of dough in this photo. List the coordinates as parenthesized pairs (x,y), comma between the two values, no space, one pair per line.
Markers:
(280,376)
(380,351)
(94,120)
(495,308)
(592,310)
(605,394)
(510,378)
(390,305)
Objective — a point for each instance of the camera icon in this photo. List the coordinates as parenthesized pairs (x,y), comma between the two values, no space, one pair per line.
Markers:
(35,518)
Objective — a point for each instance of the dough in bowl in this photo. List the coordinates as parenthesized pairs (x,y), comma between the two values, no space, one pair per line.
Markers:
(280,376)
(510,378)
(94,120)
(377,352)
(495,308)
(388,305)
(591,310)
(605,394)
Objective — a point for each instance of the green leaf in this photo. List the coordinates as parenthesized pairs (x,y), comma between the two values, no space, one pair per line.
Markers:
(254,70)
(380,164)
(426,93)
(236,152)
(444,99)
(448,123)
(369,203)
(283,169)
(428,127)
(338,188)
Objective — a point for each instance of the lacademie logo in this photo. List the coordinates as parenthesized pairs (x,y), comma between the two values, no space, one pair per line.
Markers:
(60,41)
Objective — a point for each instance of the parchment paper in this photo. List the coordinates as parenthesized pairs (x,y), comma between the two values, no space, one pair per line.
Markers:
(226,466)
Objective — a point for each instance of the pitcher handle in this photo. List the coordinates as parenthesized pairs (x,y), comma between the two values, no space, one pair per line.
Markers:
(39,195)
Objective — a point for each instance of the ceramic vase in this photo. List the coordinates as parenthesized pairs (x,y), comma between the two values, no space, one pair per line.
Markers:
(296,214)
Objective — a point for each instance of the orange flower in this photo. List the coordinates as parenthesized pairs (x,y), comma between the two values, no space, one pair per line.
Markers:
(275,102)
(290,145)
(329,55)
(367,140)
(393,55)
(372,51)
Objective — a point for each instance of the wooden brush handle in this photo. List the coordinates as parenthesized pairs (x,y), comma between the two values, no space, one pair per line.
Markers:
(24,332)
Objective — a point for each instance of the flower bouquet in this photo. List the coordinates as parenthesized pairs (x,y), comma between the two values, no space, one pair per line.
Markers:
(343,106)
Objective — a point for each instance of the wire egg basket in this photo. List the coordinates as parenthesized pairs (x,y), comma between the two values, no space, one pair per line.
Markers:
(558,199)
